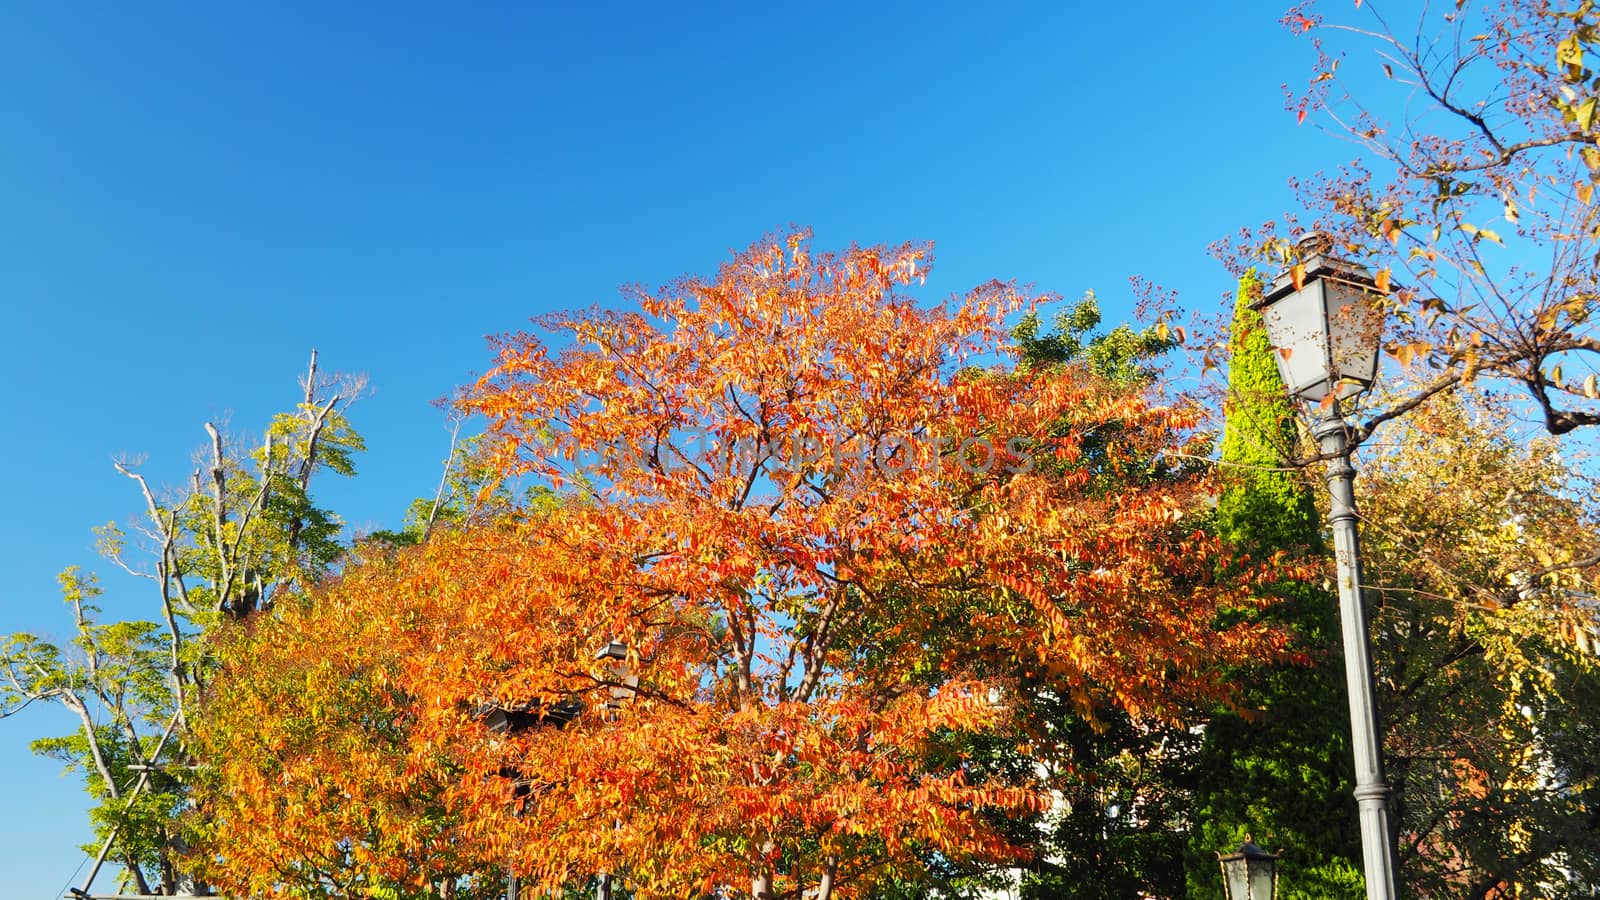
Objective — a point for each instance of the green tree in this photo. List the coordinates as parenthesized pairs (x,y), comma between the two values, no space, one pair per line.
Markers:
(470,492)
(241,533)
(1124,354)
(1117,830)
(1282,771)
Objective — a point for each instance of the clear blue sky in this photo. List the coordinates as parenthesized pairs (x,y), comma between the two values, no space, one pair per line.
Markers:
(191,197)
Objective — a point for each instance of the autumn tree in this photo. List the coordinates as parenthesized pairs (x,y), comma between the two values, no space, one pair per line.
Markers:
(319,782)
(1472,197)
(1119,784)
(1486,570)
(224,546)
(1472,202)
(822,530)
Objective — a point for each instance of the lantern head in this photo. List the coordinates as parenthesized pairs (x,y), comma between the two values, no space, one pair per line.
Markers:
(1324,322)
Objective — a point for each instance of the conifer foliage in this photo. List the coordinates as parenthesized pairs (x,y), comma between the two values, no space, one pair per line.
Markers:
(1283,773)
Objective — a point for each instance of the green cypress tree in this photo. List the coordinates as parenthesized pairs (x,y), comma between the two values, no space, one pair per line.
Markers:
(1284,774)
(1266,507)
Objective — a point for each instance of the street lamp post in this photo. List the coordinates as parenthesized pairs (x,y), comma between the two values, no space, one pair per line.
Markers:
(623,684)
(501,720)
(1325,328)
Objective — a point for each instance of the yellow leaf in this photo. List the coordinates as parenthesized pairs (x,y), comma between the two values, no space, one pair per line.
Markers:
(1585,114)
(1382,280)
(1591,387)
(1408,352)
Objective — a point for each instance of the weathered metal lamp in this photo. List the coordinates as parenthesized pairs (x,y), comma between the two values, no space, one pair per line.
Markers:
(624,684)
(1324,322)
(614,655)
(1250,873)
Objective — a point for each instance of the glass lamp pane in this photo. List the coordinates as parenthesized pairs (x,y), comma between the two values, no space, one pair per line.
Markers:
(1261,879)
(1355,324)
(1236,878)
(1297,327)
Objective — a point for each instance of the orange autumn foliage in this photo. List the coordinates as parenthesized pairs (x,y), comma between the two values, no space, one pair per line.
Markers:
(827,537)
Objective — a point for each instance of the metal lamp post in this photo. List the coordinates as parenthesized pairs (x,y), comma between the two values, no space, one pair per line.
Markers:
(623,684)
(506,721)
(502,720)
(1324,326)
(1249,873)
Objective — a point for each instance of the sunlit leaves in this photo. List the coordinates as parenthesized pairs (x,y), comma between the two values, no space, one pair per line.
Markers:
(241,532)
(1485,568)
(1473,181)
(825,519)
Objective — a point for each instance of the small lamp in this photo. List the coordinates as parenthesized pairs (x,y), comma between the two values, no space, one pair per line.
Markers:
(1250,873)
(1325,331)
(615,653)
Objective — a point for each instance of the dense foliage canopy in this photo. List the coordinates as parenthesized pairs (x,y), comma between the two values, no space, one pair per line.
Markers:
(827,541)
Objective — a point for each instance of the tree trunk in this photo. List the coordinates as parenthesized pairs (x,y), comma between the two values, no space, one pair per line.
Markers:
(136,874)
(761,880)
(825,886)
